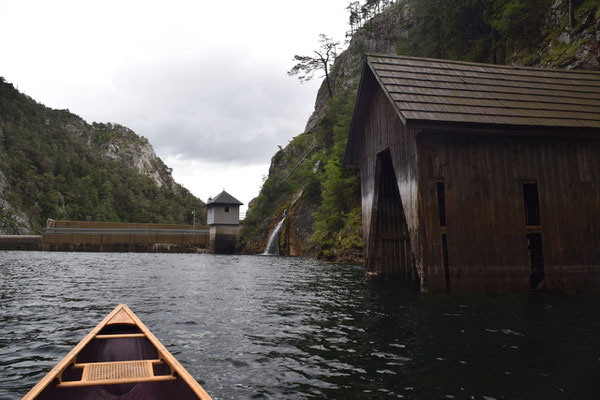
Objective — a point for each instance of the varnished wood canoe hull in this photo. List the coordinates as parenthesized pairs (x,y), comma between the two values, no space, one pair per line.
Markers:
(119,359)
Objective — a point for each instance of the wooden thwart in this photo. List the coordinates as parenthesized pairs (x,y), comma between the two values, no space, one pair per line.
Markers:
(120,336)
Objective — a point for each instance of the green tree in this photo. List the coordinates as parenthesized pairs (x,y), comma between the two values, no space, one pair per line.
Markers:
(519,21)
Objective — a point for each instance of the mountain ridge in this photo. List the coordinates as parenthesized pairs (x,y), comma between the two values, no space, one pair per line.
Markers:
(53,164)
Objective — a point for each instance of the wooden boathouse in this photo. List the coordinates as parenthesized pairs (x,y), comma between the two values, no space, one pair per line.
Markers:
(478,177)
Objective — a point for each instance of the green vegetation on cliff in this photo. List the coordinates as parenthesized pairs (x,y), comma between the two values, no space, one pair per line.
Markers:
(528,32)
(54,165)
(337,223)
(312,163)
(547,33)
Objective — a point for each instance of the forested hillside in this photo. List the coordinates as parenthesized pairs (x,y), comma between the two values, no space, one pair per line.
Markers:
(55,165)
(326,221)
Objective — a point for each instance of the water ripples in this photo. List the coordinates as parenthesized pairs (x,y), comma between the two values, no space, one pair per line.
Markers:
(273,327)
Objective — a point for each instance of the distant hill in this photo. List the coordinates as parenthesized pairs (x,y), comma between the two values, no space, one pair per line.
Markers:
(326,221)
(55,165)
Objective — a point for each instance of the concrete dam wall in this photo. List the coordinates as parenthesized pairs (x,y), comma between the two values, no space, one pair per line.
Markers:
(124,237)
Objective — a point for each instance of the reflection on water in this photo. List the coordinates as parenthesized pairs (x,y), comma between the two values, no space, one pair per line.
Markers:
(273,327)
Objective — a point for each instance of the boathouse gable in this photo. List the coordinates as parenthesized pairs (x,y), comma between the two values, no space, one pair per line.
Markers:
(496,170)
(385,151)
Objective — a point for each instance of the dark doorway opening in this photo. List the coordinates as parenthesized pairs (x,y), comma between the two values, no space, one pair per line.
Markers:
(393,254)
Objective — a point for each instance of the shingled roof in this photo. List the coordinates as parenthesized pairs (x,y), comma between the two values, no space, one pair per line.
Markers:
(452,91)
(224,198)
(441,94)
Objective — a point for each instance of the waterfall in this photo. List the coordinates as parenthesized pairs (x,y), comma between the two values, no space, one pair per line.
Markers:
(272,248)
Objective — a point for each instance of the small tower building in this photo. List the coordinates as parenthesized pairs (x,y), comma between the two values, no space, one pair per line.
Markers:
(223,209)
(223,217)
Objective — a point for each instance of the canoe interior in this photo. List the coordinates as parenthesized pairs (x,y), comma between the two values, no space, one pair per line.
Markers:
(122,349)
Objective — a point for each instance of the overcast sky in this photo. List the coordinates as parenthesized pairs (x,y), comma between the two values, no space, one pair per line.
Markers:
(205,82)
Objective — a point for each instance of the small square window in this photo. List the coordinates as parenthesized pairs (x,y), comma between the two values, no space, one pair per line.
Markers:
(226,209)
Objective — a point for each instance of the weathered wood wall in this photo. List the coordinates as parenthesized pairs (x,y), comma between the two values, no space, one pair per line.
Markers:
(483,177)
(393,254)
(382,131)
(496,195)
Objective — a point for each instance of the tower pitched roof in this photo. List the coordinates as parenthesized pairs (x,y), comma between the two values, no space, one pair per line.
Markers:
(224,198)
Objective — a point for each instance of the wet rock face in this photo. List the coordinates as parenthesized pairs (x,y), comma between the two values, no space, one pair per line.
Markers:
(569,46)
(297,230)
(258,244)
(261,237)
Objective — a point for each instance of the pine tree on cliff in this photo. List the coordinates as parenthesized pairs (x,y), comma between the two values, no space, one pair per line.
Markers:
(323,60)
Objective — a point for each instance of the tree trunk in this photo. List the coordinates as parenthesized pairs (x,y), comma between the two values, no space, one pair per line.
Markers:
(571,14)
(328,83)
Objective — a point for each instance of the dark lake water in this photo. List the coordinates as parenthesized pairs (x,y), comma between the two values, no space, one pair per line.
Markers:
(288,328)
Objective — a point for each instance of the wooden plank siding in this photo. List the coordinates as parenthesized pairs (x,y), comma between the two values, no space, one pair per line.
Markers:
(383,131)
(484,177)
(393,254)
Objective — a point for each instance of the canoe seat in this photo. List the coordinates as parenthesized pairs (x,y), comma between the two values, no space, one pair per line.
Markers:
(112,373)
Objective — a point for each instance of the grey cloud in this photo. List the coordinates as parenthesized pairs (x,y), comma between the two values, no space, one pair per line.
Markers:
(233,111)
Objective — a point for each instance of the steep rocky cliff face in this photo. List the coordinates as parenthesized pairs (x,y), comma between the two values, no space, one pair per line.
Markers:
(55,165)
(565,43)
(297,229)
(380,35)
(306,171)
(575,46)
(121,144)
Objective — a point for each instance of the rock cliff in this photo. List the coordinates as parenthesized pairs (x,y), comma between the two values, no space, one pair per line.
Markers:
(121,144)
